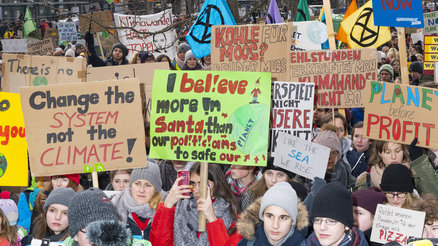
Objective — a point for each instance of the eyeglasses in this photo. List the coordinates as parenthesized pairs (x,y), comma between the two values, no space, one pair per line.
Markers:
(329,222)
(340,129)
(399,195)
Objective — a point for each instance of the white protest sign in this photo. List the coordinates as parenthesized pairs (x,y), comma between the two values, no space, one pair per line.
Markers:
(14,45)
(417,36)
(67,31)
(292,110)
(302,157)
(158,43)
(430,22)
(396,224)
(308,35)
(111,193)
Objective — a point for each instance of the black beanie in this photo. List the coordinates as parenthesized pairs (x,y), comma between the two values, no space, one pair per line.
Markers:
(397,178)
(270,166)
(122,47)
(416,66)
(333,201)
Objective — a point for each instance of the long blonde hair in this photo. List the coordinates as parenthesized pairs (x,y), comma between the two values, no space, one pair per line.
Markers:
(7,231)
(411,200)
(156,199)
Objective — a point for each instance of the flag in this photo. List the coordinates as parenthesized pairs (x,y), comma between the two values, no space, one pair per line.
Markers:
(322,15)
(342,36)
(213,12)
(321,18)
(29,25)
(303,11)
(360,29)
(274,16)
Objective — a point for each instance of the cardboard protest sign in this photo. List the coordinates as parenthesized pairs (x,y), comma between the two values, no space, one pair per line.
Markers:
(253,48)
(25,70)
(105,18)
(417,36)
(308,35)
(396,224)
(211,116)
(13,146)
(406,13)
(430,22)
(302,157)
(144,72)
(67,31)
(292,110)
(158,43)
(51,33)
(399,113)
(14,45)
(94,124)
(40,47)
(430,53)
(339,75)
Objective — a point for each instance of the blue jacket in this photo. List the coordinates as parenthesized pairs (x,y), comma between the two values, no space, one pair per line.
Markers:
(358,240)
(260,238)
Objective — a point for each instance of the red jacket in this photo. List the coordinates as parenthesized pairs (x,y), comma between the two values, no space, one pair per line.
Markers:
(162,230)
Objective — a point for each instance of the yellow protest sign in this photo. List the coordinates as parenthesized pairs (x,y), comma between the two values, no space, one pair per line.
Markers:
(13,146)
(430,39)
(430,53)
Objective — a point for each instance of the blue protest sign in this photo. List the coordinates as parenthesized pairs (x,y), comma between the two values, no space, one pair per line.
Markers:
(398,13)
(213,12)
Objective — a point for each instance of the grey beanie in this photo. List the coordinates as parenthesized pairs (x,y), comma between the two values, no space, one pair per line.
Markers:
(89,206)
(189,54)
(150,173)
(183,48)
(282,195)
(122,47)
(329,139)
(388,68)
(61,196)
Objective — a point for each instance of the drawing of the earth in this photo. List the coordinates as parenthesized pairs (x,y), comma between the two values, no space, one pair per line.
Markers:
(317,32)
(3,164)
(40,80)
(250,128)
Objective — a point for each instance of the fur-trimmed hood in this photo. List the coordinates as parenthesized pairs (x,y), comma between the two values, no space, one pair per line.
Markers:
(250,218)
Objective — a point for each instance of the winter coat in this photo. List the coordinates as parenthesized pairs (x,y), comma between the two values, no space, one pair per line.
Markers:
(168,174)
(359,239)
(135,230)
(162,233)
(424,175)
(135,242)
(358,161)
(25,206)
(341,173)
(250,227)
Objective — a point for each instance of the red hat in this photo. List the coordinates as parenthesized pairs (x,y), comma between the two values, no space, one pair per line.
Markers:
(73,177)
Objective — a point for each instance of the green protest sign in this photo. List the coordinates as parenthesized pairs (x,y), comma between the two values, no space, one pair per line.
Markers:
(212,116)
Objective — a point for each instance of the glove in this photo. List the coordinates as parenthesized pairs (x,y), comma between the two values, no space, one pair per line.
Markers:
(89,38)
(414,151)
(317,184)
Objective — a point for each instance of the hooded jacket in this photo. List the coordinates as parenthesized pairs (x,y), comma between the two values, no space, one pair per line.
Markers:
(250,227)
(94,59)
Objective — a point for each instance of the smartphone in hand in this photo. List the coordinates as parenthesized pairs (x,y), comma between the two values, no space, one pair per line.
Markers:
(185,180)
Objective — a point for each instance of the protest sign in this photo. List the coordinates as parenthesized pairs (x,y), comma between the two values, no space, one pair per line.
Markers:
(292,110)
(211,116)
(396,224)
(104,18)
(67,31)
(51,33)
(94,126)
(339,75)
(301,157)
(40,47)
(14,45)
(308,35)
(417,36)
(13,146)
(430,53)
(144,72)
(406,13)
(111,193)
(158,43)
(25,70)
(254,48)
(399,113)
(430,22)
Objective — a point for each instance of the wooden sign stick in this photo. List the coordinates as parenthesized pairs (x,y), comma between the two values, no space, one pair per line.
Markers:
(403,55)
(100,46)
(95,179)
(329,23)
(203,188)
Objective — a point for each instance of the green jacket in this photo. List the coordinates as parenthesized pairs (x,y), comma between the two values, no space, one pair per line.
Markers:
(425,177)
(134,242)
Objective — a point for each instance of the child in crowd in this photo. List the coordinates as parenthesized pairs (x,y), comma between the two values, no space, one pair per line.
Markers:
(10,233)
(240,178)
(119,179)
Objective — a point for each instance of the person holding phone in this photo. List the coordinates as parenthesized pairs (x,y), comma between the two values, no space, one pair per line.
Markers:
(176,219)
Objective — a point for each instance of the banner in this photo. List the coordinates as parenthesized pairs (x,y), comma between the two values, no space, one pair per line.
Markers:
(13,146)
(157,43)
(396,224)
(339,75)
(104,18)
(430,53)
(404,13)
(67,31)
(430,22)
(40,47)
(292,110)
(25,70)
(144,72)
(301,157)
(399,113)
(51,33)
(212,116)
(96,126)
(14,45)
(308,35)
(252,48)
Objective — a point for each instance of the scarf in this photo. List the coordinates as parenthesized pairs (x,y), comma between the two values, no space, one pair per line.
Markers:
(186,221)
(285,238)
(125,204)
(339,174)
(236,187)
(376,175)
(179,62)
